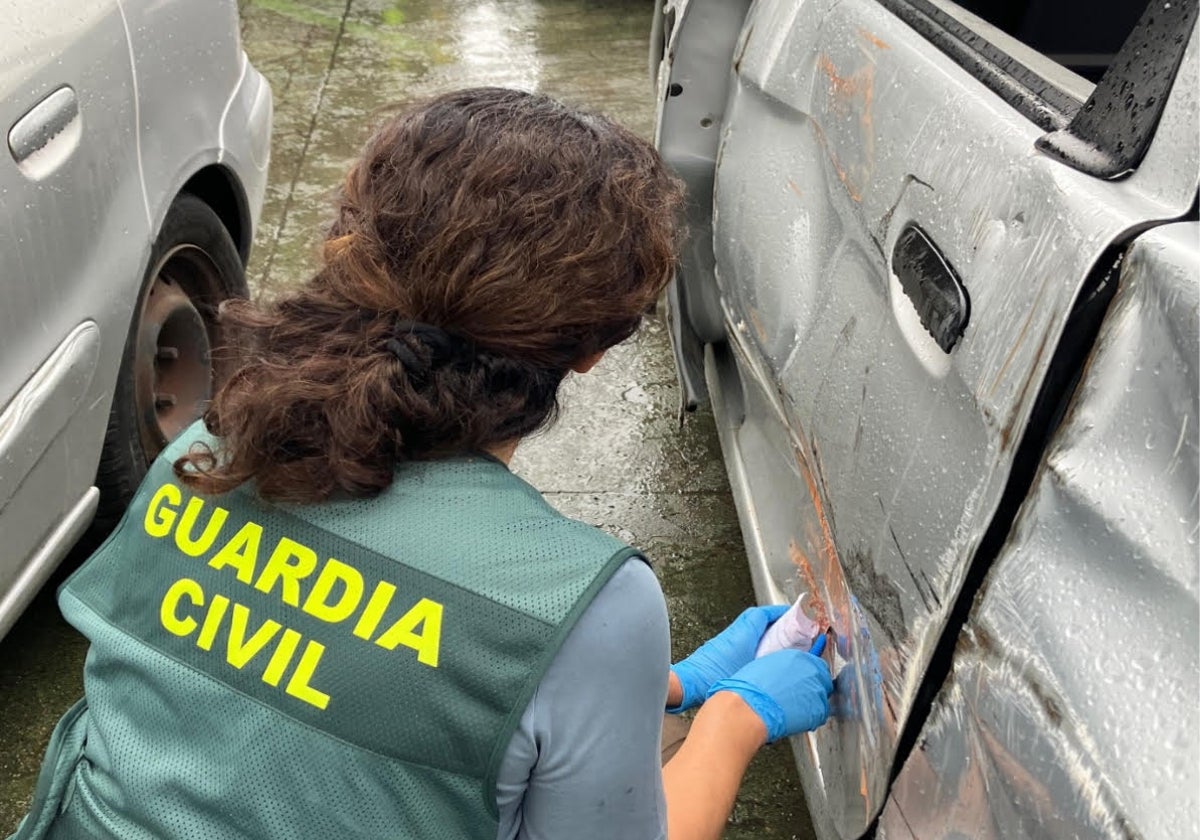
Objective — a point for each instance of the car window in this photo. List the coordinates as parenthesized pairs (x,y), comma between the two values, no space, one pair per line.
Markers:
(1095,75)
(1080,35)
(1042,56)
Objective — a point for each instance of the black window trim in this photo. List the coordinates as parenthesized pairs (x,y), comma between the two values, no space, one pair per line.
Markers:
(1108,135)
(1113,130)
(1038,100)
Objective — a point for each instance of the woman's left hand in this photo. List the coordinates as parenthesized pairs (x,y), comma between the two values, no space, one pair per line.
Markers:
(723,655)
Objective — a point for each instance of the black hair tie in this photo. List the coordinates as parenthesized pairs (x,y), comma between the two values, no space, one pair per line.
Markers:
(443,348)
(414,368)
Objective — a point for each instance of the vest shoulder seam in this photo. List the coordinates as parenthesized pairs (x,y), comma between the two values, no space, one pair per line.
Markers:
(536,673)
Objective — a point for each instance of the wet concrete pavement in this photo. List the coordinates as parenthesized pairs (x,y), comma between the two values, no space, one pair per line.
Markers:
(617,458)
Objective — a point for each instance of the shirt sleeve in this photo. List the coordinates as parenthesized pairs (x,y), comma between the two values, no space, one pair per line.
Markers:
(585,761)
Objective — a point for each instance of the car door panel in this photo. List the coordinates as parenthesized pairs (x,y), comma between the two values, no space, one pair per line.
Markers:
(71,200)
(843,127)
(1095,733)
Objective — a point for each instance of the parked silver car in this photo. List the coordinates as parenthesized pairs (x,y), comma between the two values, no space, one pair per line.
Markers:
(130,183)
(942,288)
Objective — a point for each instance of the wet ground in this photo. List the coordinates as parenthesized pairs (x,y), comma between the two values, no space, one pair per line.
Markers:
(617,458)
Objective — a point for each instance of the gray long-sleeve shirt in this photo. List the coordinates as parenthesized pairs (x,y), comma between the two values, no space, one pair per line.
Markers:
(585,761)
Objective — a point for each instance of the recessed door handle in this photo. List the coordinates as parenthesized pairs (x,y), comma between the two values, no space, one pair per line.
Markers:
(45,121)
(931,284)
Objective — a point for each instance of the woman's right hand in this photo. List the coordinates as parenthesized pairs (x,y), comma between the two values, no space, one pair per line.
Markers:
(789,690)
(722,655)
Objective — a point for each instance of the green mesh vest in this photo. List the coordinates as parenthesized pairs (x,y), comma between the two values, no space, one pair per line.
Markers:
(346,670)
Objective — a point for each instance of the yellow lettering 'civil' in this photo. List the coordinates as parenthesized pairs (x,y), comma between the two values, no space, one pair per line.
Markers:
(317,603)
(159,517)
(241,552)
(167,613)
(241,650)
(183,533)
(212,622)
(298,685)
(425,643)
(288,574)
(282,657)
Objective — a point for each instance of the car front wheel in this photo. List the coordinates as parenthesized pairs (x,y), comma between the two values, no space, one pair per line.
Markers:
(168,373)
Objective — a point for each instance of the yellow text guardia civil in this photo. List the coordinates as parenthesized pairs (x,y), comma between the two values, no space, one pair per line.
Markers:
(333,593)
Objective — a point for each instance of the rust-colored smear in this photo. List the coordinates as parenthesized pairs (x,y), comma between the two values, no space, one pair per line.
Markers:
(1016,345)
(844,90)
(843,87)
(874,40)
(792,186)
(831,601)
(862,788)
(828,546)
(801,561)
(757,323)
(851,190)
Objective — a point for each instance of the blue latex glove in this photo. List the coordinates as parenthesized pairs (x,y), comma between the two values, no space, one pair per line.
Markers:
(723,654)
(789,690)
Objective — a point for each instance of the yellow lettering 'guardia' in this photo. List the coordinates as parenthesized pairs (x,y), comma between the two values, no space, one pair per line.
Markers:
(318,603)
(183,534)
(160,516)
(241,552)
(427,614)
(372,614)
(289,574)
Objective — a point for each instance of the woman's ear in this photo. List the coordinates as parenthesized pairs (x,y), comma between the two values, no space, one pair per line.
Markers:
(587,362)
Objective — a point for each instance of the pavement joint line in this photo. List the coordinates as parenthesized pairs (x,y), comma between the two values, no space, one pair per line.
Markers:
(265,275)
(312,128)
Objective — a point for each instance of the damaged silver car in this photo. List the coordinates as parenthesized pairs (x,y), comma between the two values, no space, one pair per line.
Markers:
(942,290)
(138,136)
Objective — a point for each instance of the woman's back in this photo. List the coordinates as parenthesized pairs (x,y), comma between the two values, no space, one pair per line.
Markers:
(376,652)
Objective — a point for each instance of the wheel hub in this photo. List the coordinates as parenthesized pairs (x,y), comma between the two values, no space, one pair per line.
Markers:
(173,365)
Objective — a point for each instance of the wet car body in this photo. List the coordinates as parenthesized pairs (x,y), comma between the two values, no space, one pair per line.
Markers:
(942,292)
(138,136)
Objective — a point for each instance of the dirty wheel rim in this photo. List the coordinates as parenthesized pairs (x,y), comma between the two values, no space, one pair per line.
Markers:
(173,365)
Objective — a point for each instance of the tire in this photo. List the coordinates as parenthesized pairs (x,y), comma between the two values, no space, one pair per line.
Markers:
(167,374)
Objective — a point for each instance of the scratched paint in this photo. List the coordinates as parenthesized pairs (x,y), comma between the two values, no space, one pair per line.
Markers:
(874,40)
(808,579)
(851,97)
(1083,729)
(897,463)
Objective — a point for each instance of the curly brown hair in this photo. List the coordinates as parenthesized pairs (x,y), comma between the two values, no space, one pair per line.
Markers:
(486,241)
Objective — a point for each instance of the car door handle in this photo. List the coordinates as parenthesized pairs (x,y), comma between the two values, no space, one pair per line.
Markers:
(44,125)
(930,282)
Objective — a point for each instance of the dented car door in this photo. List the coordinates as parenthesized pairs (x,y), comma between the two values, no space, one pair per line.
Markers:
(915,236)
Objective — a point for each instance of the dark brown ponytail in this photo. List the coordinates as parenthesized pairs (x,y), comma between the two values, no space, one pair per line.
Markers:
(484,243)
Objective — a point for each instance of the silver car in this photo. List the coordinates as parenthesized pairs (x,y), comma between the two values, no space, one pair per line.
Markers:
(137,138)
(942,289)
